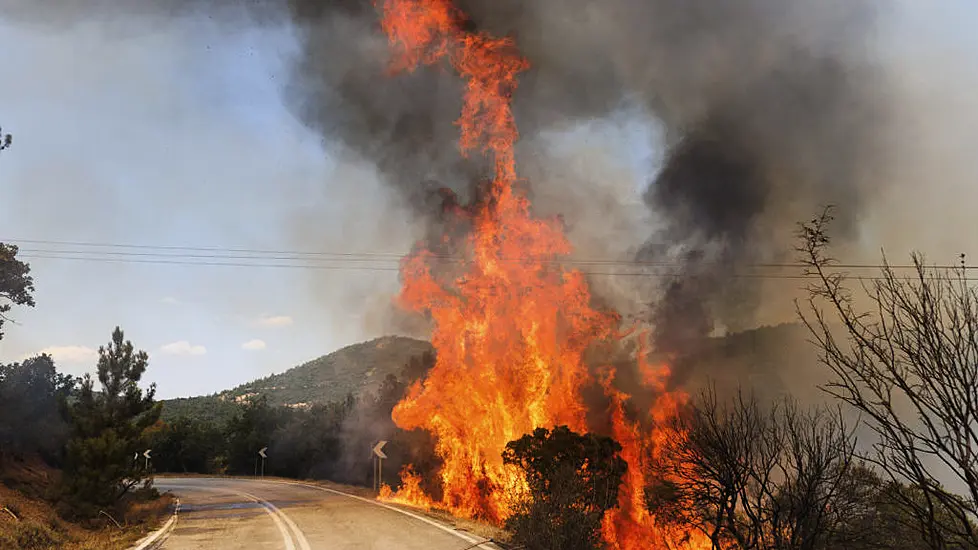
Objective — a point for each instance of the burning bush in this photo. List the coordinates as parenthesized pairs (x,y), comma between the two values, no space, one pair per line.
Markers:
(572,481)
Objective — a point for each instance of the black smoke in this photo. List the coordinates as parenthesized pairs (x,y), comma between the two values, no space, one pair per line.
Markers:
(771,109)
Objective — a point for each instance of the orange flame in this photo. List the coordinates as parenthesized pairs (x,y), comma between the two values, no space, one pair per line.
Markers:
(410,492)
(512,329)
(631,526)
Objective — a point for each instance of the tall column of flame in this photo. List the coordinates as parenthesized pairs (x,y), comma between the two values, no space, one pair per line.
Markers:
(511,329)
(510,332)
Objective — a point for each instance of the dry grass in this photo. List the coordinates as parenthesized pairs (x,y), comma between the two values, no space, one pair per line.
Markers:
(28,522)
(141,519)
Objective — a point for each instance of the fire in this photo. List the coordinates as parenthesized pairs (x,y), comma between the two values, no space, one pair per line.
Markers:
(631,526)
(512,327)
(511,331)
(410,492)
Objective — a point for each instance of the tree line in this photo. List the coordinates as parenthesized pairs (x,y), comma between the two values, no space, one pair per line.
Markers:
(323,441)
(90,432)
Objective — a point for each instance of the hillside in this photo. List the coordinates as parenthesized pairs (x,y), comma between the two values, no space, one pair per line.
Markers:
(773,358)
(357,369)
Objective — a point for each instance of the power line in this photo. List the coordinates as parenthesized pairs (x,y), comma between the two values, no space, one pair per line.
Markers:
(182,252)
(355,267)
(204,263)
(199,248)
(111,253)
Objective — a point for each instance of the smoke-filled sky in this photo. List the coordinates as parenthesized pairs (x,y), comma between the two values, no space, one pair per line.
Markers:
(195,130)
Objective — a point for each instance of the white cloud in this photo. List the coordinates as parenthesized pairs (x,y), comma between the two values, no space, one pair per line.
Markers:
(275,321)
(69,354)
(183,347)
(254,345)
(170,300)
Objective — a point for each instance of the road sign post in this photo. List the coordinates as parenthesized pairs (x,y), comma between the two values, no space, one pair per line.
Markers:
(147,457)
(261,453)
(379,456)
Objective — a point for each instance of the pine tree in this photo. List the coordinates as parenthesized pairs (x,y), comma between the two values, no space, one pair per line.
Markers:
(108,429)
(16,284)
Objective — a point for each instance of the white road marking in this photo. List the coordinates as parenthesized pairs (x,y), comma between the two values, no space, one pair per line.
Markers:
(464,536)
(286,538)
(165,530)
(478,543)
(296,532)
(285,525)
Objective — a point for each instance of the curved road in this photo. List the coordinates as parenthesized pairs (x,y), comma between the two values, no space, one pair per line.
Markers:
(246,514)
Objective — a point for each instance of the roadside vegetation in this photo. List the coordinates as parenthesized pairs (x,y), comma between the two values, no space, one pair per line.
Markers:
(68,478)
(903,351)
(573,480)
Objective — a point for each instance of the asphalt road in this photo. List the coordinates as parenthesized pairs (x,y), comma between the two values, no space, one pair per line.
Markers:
(249,514)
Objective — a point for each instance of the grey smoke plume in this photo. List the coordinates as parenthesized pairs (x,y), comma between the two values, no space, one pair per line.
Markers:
(770,108)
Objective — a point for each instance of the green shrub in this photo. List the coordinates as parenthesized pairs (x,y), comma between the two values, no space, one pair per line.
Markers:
(573,481)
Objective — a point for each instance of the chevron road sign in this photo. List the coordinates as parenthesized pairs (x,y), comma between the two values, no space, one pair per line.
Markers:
(378,451)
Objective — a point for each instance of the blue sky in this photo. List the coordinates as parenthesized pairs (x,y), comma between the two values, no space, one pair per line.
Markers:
(170,136)
(178,135)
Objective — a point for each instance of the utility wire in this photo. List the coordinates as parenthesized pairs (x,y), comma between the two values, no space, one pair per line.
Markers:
(199,248)
(111,253)
(184,252)
(342,266)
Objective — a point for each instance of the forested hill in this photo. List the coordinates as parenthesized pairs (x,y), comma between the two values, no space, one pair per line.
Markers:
(771,360)
(776,358)
(356,369)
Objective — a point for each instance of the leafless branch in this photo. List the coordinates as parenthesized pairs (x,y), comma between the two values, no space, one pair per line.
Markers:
(908,364)
(763,477)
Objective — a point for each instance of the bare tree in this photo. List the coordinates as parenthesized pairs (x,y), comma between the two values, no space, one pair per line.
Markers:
(705,472)
(756,477)
(820,490)
(909,365)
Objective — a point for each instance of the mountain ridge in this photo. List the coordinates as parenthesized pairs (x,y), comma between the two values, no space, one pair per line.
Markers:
(355,370)
(770,358)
